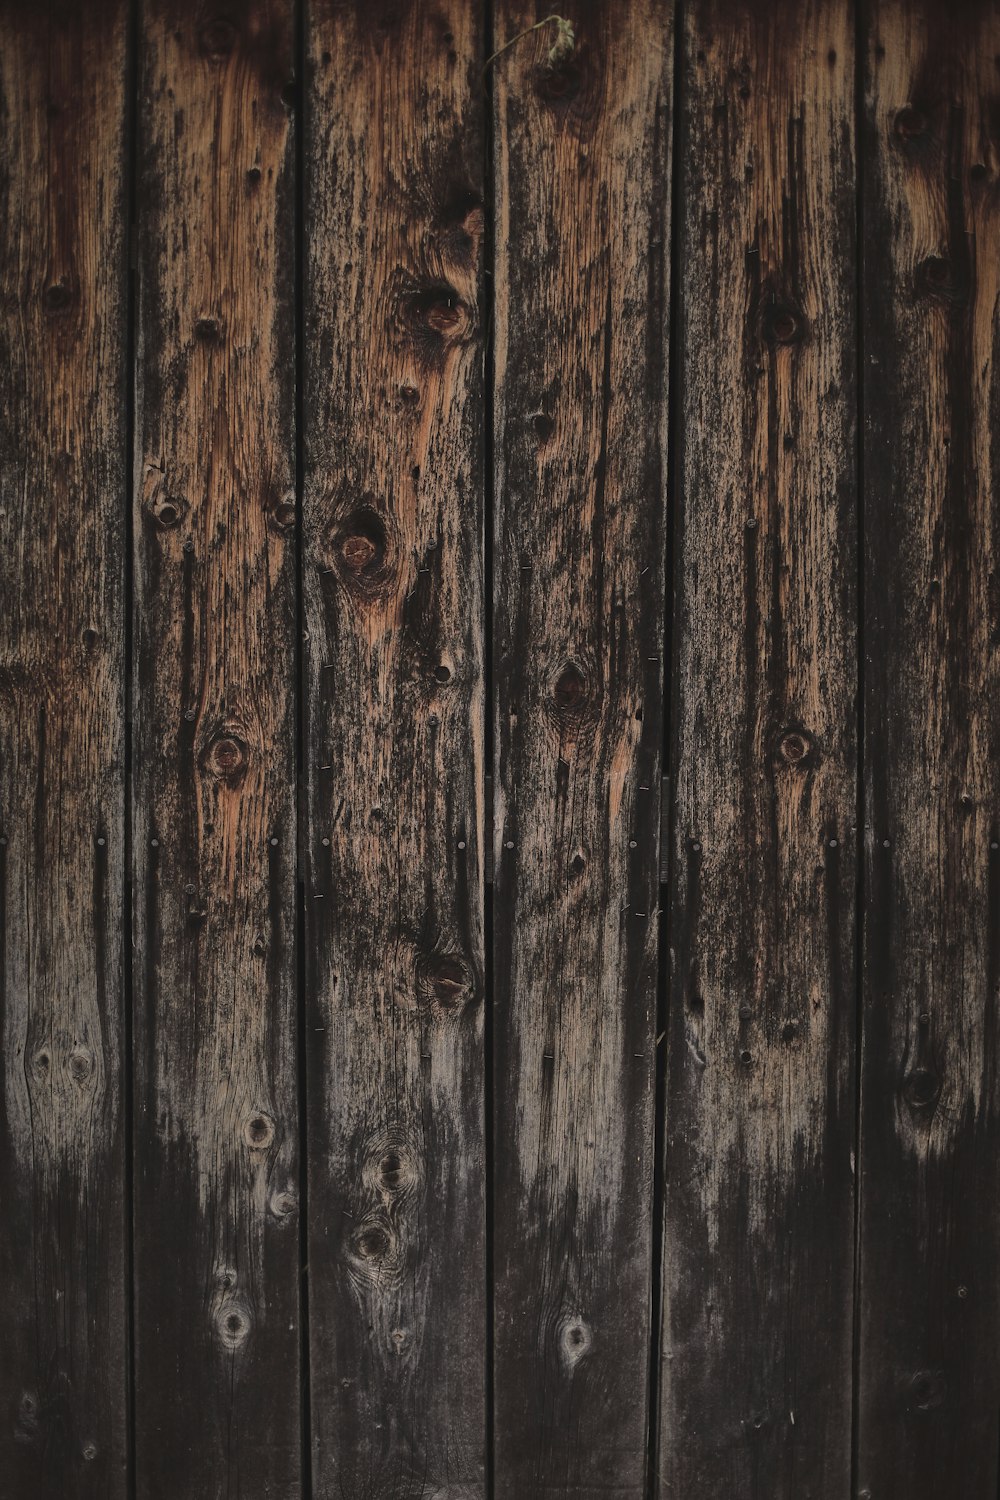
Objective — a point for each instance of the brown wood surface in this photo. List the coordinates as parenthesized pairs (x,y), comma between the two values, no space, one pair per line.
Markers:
(581,246)
(393,598)
(479,1139)
(63,1410)
(758,1237)
(929,1308)
(216,1250)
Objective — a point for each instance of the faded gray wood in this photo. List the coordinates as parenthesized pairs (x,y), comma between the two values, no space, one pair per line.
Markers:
(62,779)
(581,249)
(216,1251)
(393,585)
(759,1220)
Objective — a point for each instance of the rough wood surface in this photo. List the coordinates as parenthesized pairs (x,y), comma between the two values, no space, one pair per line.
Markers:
(582,240)
(756,1343)
(930,1183)
(216,1258)
(393,589)
(62,737)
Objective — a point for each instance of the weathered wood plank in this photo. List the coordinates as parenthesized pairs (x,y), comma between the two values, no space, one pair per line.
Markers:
(217,1372)
(582,241)
(756,1375)
(930,1183)
(393,588)
(62,722)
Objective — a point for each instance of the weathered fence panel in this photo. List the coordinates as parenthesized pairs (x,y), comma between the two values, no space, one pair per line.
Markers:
(63,1264)
(929,1305)
(214,816)
(393,590)
(526,413)
(758,1239)
(582,200)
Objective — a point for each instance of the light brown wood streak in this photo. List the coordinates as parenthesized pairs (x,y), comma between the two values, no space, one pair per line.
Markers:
(758,1246)
(62,795)
(581,202)
(215,836)
(394,598)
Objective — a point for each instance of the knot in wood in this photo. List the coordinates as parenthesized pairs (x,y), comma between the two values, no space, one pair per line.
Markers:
(163,509)
(232,1325)
(371,1243)
(217,37)
(927,1389)
(284,1205)
(575,1339)
(435,317)
(939,278)
(795,748)
(445,983)
(570,691)
(81,1064)
(259,1131)
(910,123)
(361,552)
(226,757)
(284,514)
(921,1088)
(784,324)
(57,298)
(558,83)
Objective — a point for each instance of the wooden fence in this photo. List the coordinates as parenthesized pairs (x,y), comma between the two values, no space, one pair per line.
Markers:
(499,729)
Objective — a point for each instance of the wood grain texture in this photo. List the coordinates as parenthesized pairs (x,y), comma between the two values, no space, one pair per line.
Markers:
(756,1343)
(930,1183)
(393,588)
(62,737)
(217,1364)
(582,240)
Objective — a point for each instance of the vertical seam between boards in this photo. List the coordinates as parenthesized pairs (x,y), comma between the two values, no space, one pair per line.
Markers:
(300,118)
(130,163)
(860,19)
(489,43)
(667,777)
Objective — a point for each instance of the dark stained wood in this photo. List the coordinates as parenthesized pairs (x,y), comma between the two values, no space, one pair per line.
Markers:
(62,738)
(929,1378)
(216,1257)
(582,241)
(393,589)
(756,1342)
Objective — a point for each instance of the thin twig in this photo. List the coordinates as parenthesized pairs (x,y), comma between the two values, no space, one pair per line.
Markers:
(560,50)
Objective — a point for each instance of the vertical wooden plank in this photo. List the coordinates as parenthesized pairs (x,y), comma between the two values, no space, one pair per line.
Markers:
(929,1378)
(393,592)
(217,1368)
(759,1216)
(582,245)
(62,786)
